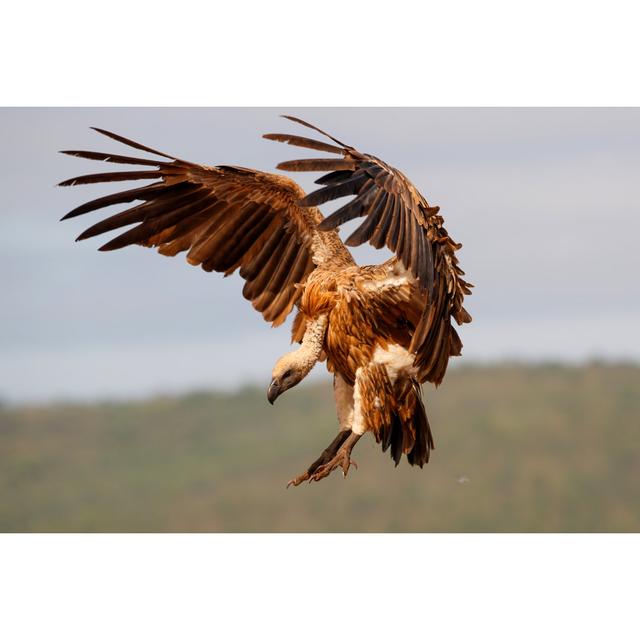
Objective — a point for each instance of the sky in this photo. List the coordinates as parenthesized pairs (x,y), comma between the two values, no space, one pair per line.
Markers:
(545,201)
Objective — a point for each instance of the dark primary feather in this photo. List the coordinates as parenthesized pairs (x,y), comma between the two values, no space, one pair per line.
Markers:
(365,231)
(333,177)
(115,176)
(316,164)
(310,126)
(224,217)
(131,143)
(139,193)
(299,141)
(349,211)
(111,157)
(336,189)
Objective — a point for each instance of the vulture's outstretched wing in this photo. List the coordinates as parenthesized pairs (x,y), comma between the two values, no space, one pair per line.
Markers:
(225,217)
(398,216)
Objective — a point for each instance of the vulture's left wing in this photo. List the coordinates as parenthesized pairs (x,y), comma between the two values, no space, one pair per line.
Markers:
(399,217)
(224,217)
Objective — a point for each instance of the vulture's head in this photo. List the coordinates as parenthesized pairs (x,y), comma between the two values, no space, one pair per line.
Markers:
(288,371)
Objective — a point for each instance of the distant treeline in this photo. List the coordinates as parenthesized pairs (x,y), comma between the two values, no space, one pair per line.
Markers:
(518,448)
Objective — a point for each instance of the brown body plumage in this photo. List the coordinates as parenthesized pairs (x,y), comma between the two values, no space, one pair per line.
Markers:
(383,330)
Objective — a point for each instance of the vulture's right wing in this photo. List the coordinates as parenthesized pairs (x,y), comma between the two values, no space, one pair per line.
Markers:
(225,217)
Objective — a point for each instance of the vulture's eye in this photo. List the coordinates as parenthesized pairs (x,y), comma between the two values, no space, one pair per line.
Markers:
(287,374)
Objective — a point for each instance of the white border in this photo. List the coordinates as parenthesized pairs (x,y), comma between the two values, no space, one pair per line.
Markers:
(407,53)
(315,586)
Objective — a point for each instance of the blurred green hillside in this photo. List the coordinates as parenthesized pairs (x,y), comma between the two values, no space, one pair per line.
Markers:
(517,449)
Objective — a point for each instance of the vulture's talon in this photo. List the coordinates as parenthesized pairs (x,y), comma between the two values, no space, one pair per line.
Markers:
(341,459)
(298,480)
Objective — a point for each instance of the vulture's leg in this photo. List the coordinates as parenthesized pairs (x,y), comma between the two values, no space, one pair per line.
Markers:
(341,459)
(325,456)
(343,393)
(357,426)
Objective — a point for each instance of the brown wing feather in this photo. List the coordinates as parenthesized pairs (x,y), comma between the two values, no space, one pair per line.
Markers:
(226,218)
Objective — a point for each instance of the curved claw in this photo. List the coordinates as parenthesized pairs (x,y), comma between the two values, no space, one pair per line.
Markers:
(348,464)
(299,480)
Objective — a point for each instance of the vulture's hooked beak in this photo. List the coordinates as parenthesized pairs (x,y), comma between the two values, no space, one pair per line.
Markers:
(274,390)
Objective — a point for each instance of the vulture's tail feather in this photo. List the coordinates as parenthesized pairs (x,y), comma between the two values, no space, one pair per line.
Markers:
(408,431)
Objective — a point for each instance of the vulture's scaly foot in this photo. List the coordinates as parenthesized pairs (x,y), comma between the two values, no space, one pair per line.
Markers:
(324,458)
(341,459)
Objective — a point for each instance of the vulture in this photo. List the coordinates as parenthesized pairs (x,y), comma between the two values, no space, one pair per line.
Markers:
(383,330)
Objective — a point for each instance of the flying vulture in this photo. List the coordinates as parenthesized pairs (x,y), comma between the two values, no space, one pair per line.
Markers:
(383,330)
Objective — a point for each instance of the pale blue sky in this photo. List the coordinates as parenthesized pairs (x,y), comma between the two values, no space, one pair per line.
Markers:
(545,201)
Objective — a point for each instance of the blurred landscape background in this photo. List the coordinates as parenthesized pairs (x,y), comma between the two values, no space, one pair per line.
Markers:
(133,387)
(518,449)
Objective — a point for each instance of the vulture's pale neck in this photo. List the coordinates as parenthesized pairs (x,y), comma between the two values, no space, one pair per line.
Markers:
(309,351)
